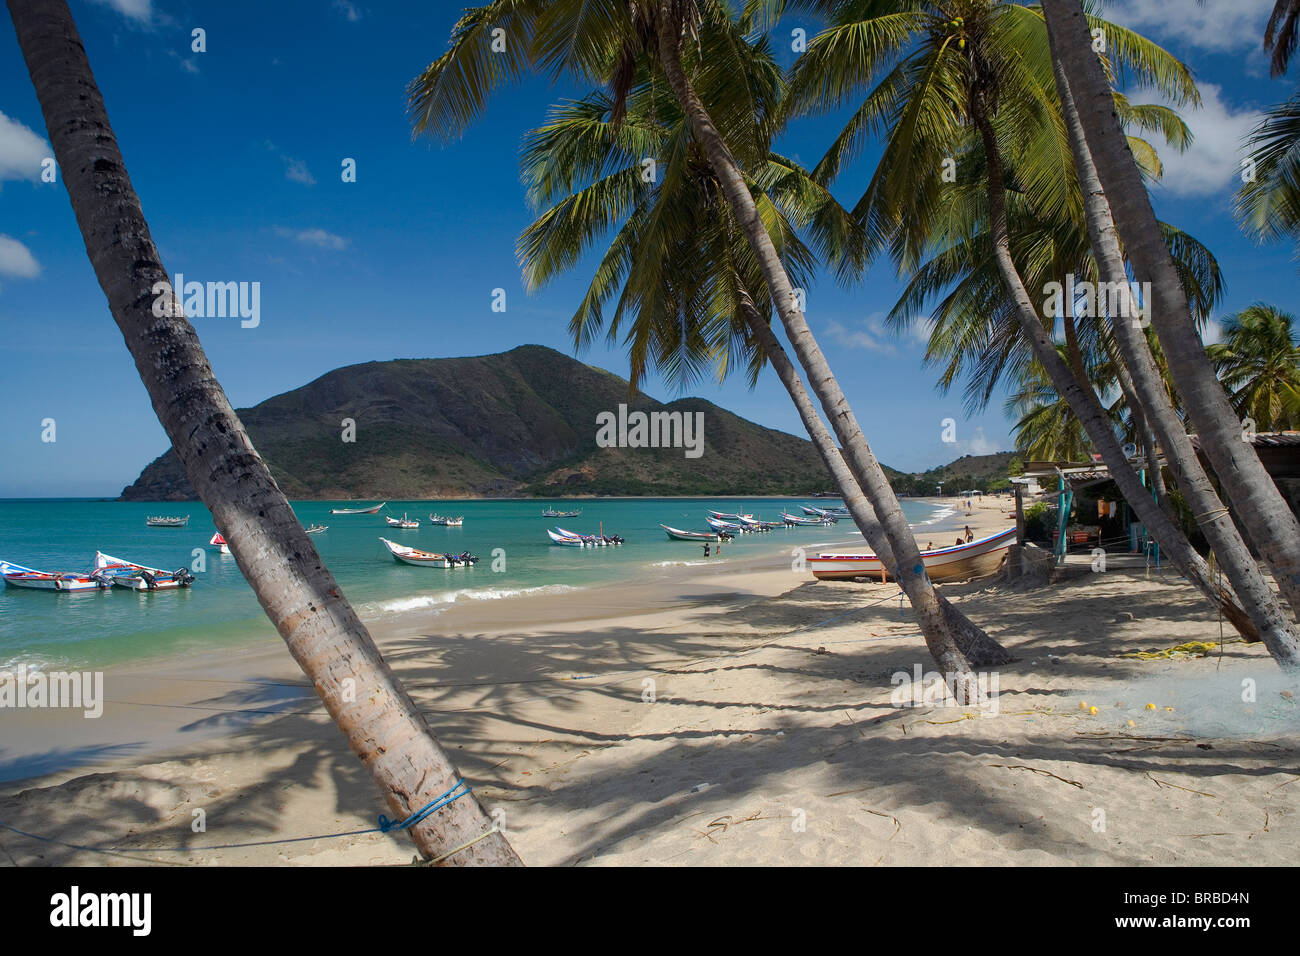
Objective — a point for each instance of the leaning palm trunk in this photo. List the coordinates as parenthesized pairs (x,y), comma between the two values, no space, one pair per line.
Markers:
(1268,520)
(908,569)
(383,725)
(1083,400)
(980,649)
(1242,572)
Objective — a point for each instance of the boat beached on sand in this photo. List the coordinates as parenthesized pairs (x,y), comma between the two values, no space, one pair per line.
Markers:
(979,557)
(428,559)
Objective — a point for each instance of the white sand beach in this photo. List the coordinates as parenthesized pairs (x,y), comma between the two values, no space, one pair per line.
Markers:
(739,715)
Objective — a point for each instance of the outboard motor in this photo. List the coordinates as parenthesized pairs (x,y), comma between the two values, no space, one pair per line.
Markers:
(101,577)
(183,577)
(149,580)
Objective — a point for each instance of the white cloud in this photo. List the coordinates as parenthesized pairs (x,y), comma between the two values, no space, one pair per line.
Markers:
(313,237)
(1214,25)
(870,335)
(1212,164)
(16,260)
(139,10)
(295,170)
(21,151)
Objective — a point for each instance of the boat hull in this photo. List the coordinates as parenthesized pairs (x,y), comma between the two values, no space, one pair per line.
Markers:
(358,511)
(678,535)
(944,564)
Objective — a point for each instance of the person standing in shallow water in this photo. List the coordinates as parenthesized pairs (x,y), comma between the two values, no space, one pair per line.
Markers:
(970,535)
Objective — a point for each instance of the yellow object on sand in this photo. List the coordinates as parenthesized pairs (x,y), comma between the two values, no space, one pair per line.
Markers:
(1092,710)
(1151,706)
(1193,648)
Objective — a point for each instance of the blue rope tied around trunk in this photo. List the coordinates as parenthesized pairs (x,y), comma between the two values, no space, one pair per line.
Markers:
(455,793)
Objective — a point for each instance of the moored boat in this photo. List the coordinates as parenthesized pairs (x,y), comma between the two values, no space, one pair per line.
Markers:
(219,543)
(428,559)
(552,513)
(591,540)
(403,522)
(138,577)
(976,558)
(447,522)
(717,524)
(17,576)
(678,535)
(358,511)
(318,528)
(167,521)
(805,522)
(568,541)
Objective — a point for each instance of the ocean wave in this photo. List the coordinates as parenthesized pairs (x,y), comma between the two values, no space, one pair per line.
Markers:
(945,512)
(445,598)
(686,564)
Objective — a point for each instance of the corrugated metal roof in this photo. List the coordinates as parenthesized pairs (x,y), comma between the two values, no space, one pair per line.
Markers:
(1266,439)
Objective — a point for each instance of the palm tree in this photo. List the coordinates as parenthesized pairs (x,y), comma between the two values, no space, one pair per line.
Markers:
(1280,34)
(974,66)
(1265,514)
(383,725)
(603,43)
(1268,203)
(1147,381)
(678,266)
(1258,361)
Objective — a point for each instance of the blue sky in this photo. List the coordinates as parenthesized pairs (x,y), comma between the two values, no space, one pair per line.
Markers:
(236,153)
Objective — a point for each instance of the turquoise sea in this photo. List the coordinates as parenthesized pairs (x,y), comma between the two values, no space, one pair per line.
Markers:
(99,628)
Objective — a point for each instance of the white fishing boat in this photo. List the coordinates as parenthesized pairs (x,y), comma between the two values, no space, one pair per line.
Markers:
(17,576)
(592,540)
(806,522)
(219,543)
(446,522)
(138,577)
(976,558)
(723,516)
(318,528)
(428,559)
(552,513)
(167,521)
(678,535)
(717,524)
(568,541)
(358,511)
(403,522)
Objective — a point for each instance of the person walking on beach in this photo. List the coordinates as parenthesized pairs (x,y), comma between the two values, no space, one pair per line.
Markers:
(970,535)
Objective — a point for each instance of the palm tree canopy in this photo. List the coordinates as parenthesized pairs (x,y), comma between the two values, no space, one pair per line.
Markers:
(1258,362)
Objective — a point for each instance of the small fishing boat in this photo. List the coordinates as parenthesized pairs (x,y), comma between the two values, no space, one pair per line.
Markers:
(220,543)
(552,513)
(742,519)
(318,528)
(167,521)
(446,522)
(402,522)
(17,576)
(678,535)
(428,559)
(567,540)
(806,522)
(592,540)
(717,524)
(981,556)
(358,511)
(138,577)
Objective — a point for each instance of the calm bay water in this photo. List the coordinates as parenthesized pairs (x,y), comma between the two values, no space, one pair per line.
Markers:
(98,628)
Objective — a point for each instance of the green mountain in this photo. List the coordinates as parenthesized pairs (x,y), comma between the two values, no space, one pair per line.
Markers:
(517,423)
